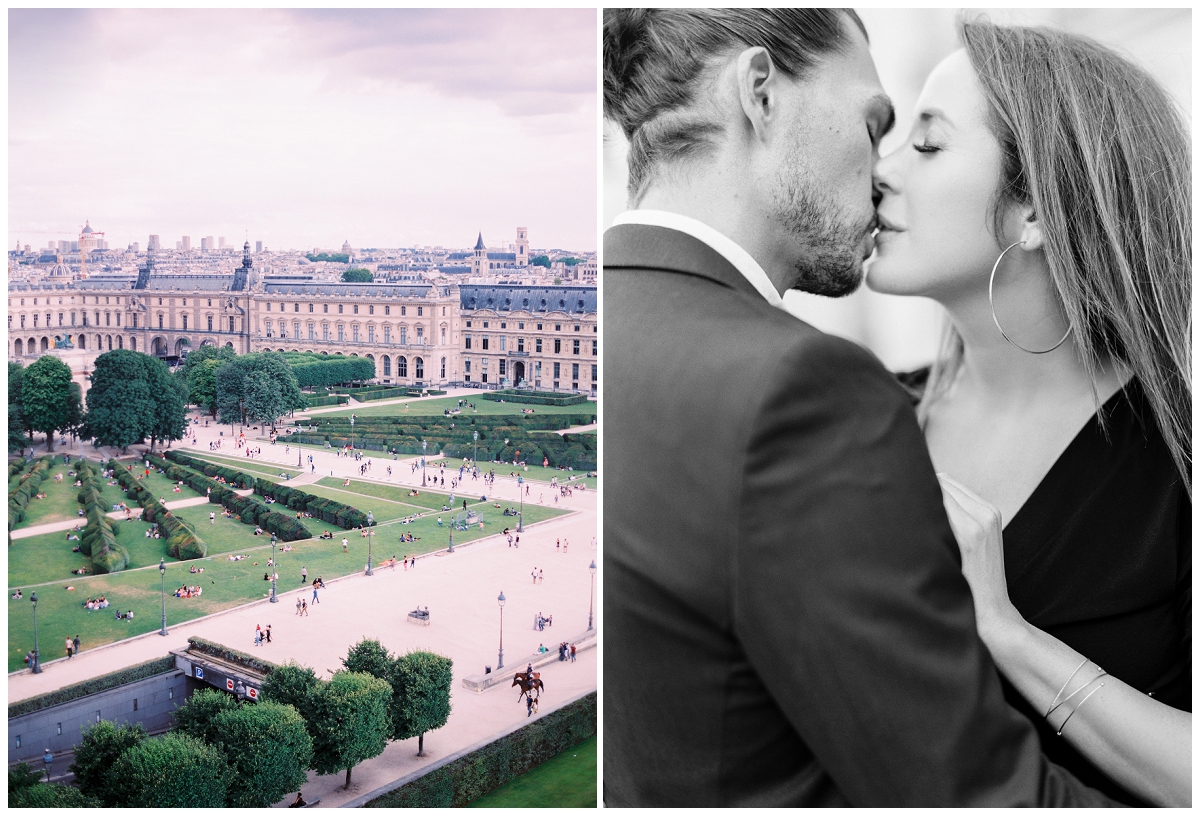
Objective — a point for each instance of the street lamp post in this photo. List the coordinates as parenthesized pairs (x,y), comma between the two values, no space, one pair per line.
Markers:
(500,660)
(370,543)
(162,572)
(37,663)
(274,570)
(521,512)
(424,445)
(592,598)
(451,535)
(475,456)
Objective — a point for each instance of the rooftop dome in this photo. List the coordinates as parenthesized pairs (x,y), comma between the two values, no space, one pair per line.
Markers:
(60,270)
(87,228)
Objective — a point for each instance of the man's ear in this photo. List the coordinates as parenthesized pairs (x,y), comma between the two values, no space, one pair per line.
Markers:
(757,83)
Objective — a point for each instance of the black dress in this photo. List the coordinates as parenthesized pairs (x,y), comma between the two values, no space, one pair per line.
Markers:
(1099,557)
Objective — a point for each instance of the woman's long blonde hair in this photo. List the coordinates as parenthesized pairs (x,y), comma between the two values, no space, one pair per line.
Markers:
(1099,150)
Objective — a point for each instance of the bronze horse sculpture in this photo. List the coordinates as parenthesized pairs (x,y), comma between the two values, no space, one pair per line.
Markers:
(529,686)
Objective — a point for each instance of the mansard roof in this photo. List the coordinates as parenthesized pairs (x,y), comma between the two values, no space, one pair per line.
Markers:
(570,299)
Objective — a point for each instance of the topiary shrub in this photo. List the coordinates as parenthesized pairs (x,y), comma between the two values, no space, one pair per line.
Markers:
(172,771)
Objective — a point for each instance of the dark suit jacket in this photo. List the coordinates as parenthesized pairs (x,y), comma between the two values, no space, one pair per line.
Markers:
(786,622)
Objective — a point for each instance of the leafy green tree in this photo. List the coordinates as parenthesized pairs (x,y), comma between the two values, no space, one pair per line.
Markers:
(369,657)
(95,756)
(357,275)
(291,684)
(349,722)
(45,397)
(120,404)
(269,749)
(174,770)
(26,790)
(195,717)
(264,401)
(571,261)
(230,382)
(233,389)
(422,682)
(335,257)
(200,373)
(170,398)
(16,429)
(540,260)
(74,410)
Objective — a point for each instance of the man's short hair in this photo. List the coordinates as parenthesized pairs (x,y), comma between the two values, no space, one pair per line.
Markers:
(656,62)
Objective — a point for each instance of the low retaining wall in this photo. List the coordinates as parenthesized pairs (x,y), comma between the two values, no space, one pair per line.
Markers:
(150,702)
(483,682)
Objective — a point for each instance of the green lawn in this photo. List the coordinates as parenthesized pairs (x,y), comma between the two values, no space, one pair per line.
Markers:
(568,780)
(256,468)
(61,503)
(482,407)
(534,473)
(226,583)
(426,500)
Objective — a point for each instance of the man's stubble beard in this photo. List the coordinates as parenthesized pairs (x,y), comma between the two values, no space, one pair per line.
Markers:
(832,261)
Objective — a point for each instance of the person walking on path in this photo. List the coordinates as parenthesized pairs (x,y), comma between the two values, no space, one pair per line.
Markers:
(212,517)
(534,574)
(298,602)
(304,575)
(303,608)
(345,545)
(69,646)
(268,633)
(572,650)
(315,599)
(75,645)
(258,637)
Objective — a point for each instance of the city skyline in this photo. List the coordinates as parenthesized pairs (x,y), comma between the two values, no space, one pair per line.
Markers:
(386,128)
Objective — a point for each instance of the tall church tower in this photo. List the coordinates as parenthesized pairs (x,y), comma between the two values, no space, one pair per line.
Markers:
(479,261)
(522,246)
(241,275)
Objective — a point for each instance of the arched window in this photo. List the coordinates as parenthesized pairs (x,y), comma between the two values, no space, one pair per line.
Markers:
(443,368)
(120,342)
(133,344)
(82,342)
(387,365)
(18,348)
(401,366)
(420,364)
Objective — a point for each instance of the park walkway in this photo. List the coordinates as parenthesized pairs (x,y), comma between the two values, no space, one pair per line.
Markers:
(69,524)
(461,592)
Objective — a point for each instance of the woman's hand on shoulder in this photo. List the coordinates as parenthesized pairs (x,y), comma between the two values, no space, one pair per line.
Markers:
(978,530)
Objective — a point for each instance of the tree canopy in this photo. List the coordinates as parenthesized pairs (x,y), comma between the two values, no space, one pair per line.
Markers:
(46,397)
(95,757)
(420,683)
(172,771)
(133,397)
(357,275)
(200,374)
(269,749)
(540,260)
(335,257)
(237,393)
(349,721)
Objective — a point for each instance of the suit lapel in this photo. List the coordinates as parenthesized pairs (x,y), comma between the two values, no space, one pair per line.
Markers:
(642,247)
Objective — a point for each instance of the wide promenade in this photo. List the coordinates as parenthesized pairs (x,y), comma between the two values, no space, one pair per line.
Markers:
(460,590)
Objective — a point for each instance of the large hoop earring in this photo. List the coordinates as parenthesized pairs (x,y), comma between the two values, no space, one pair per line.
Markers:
(996,320)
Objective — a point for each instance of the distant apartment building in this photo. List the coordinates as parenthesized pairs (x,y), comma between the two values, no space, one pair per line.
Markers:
(186,242)
(153,244)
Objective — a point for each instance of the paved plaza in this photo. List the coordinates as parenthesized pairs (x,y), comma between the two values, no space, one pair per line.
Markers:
(460,590)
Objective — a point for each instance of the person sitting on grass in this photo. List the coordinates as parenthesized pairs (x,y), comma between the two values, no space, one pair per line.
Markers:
(17,595)
(80,571)
(103,602)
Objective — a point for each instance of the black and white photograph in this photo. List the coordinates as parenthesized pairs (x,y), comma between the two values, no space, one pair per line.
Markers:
(897,412)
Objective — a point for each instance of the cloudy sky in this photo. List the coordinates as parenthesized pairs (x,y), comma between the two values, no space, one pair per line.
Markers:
(304,128)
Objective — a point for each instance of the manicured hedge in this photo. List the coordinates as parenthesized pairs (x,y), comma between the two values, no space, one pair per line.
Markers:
(104,682)
(182,541)
(328,510)
(248,661)
(19,496)
(388,393)
(98,540)
(535,397)
(247,510)
(318,402)
(482,771)
(319,369)
(231,475)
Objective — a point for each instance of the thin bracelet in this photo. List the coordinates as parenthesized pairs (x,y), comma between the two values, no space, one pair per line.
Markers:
(1076,691)
(1081,702)
(1064,688)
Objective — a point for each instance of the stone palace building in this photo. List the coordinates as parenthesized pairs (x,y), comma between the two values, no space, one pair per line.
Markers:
(422,334)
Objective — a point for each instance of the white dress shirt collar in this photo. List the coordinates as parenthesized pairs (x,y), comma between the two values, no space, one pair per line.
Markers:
(722,245)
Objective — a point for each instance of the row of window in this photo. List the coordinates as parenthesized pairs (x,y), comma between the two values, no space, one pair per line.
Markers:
(521,325)
(355,329)
(537,344)
(108,319)
(95,300)
(387,310)
(79,340)
(506,368)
